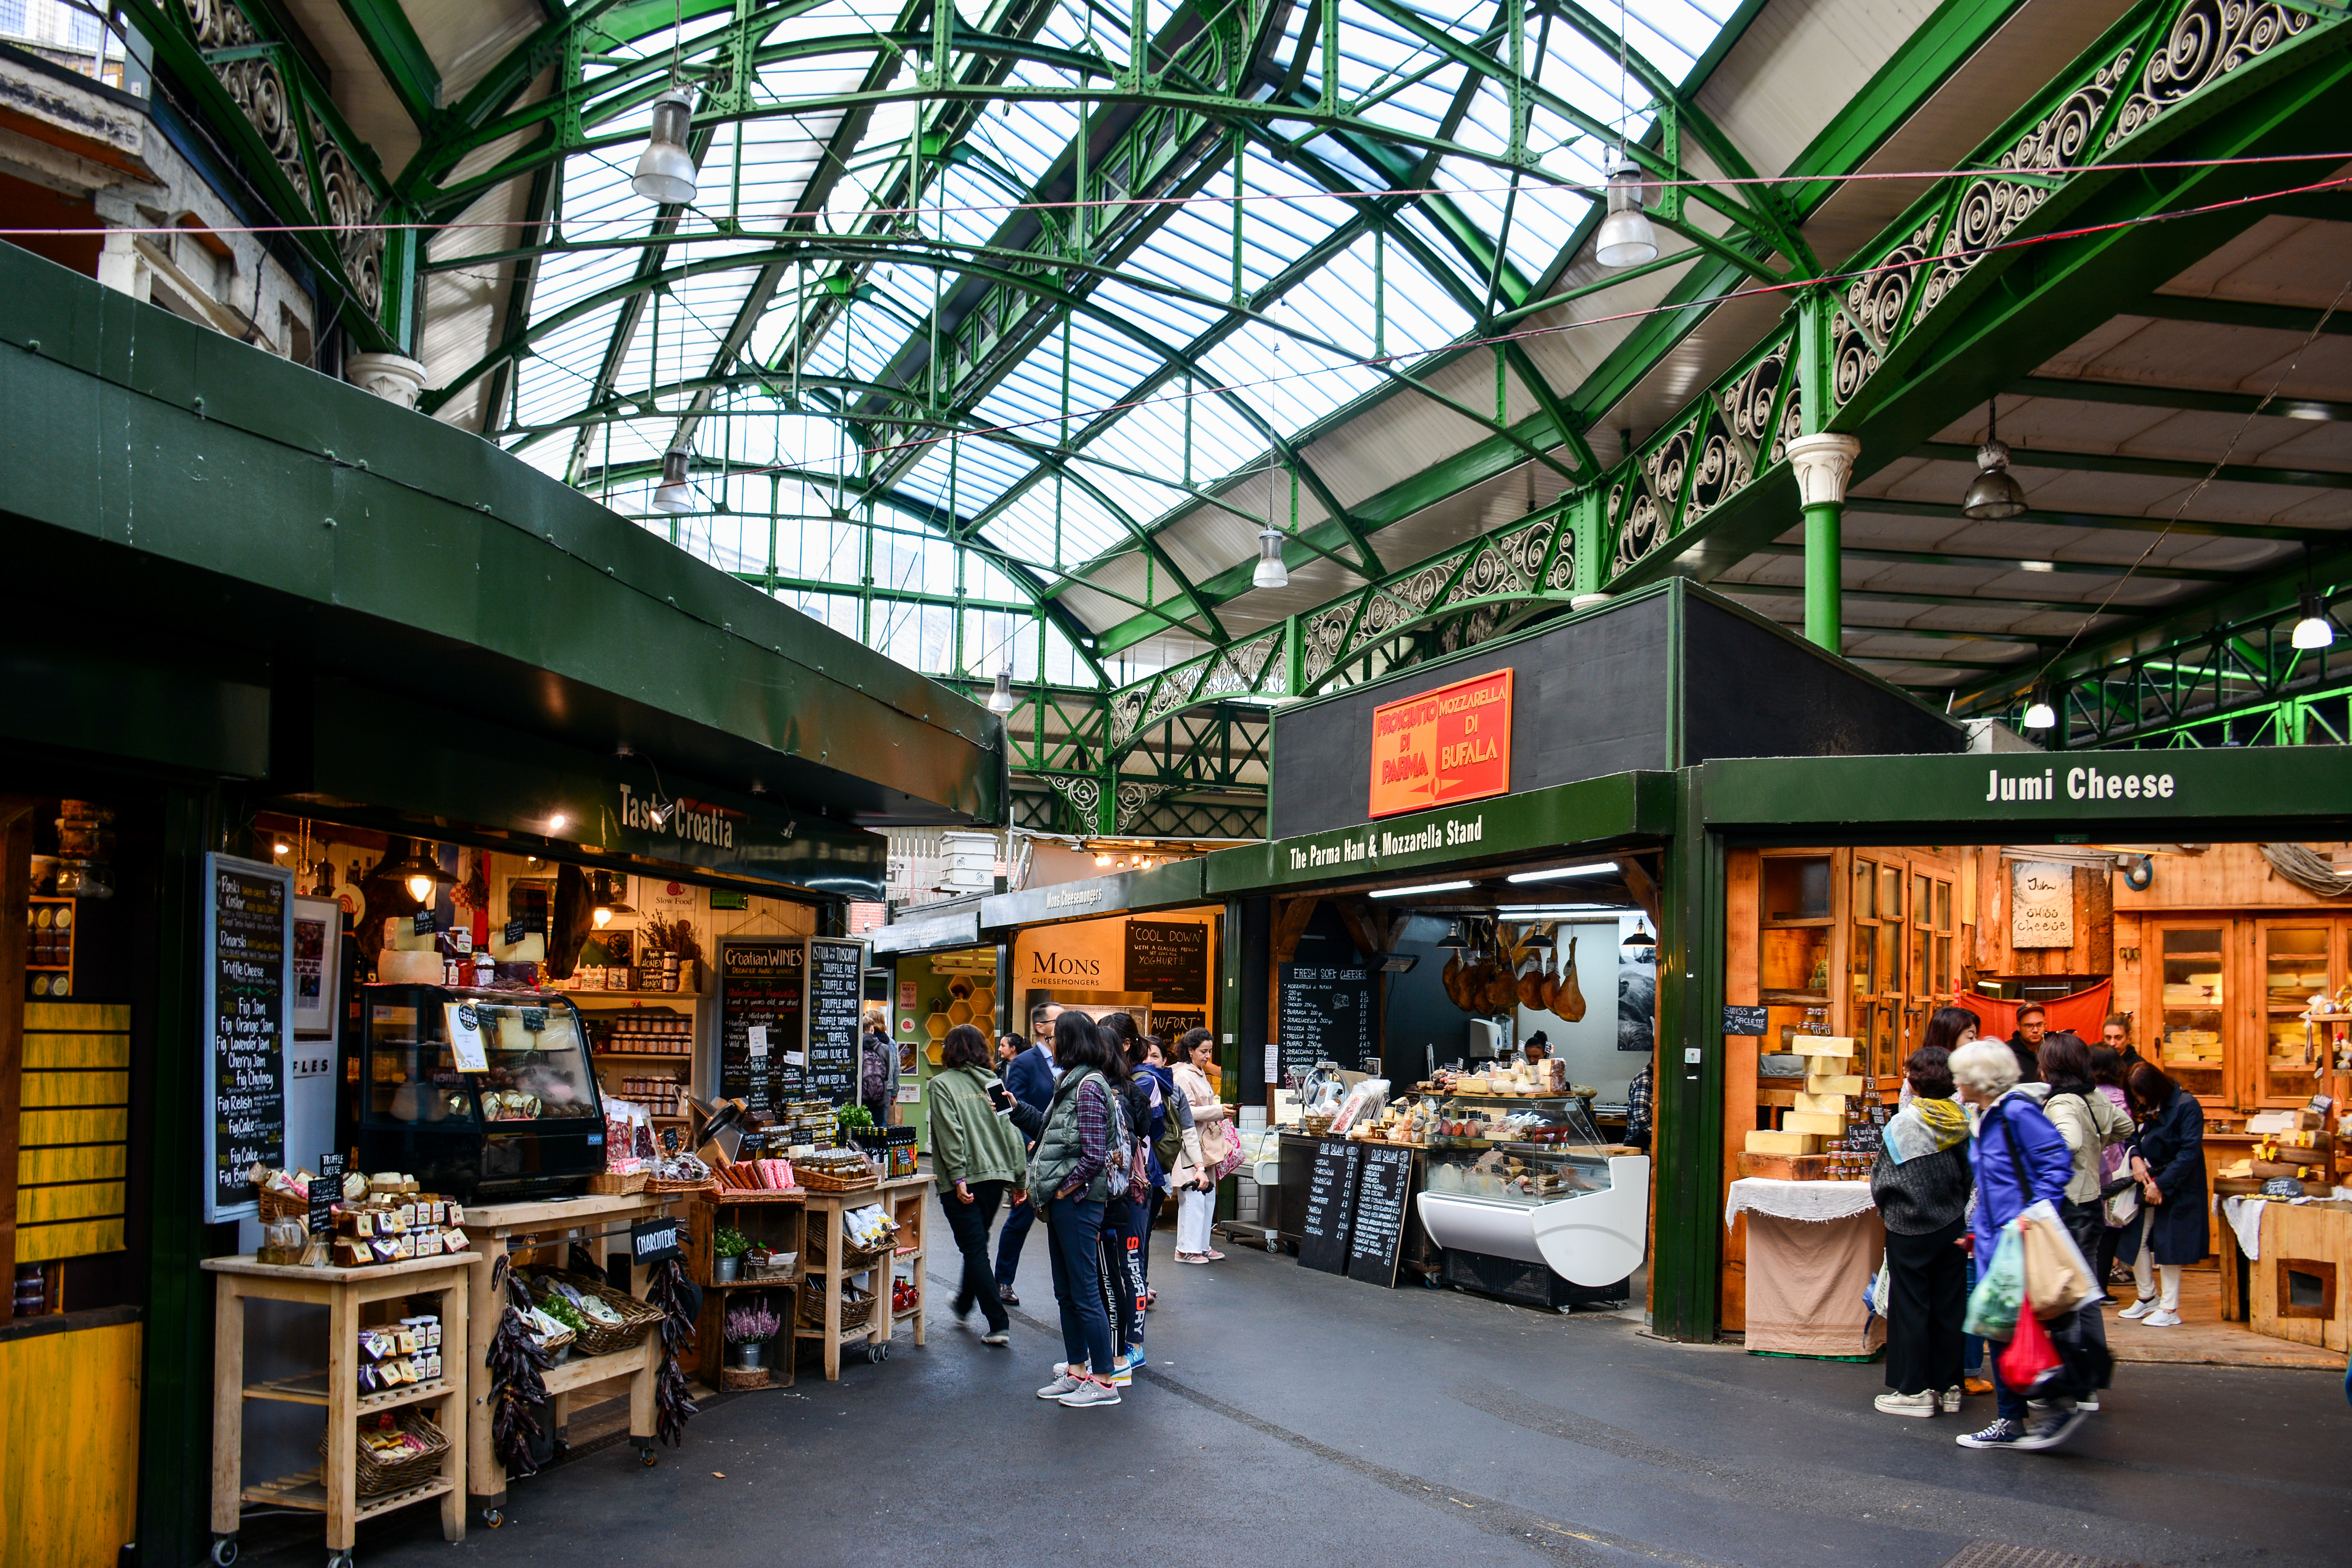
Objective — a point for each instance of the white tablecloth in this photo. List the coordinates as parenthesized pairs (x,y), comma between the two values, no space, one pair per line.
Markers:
(1815,1201)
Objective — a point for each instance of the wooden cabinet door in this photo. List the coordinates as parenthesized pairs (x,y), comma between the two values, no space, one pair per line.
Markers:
(2188,999)
(2294,957)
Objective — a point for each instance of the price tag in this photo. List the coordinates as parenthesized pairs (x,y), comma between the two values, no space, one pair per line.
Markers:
(533,1019)
(1272,1062)
(796,1058)
(466,1036)
(517,929)
(759,1039)
(653,1241)
(420,924)
(325,1189)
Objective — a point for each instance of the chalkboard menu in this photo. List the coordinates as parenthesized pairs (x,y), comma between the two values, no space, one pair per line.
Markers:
(1375,1228)
(1330,1206)
(1169,959)
(836,994)
(761,986)
(1326,1016)
(248,979)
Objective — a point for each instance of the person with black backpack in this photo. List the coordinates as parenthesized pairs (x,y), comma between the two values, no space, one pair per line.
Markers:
(878,1068)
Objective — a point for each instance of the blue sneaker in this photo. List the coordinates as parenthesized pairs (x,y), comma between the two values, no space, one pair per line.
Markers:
(1134,1357)
(2001,1433)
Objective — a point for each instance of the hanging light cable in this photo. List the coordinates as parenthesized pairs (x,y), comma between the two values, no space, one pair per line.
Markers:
(666,171)
(1626,238)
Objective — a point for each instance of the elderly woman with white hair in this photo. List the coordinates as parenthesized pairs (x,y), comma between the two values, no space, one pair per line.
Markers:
(2020,1159)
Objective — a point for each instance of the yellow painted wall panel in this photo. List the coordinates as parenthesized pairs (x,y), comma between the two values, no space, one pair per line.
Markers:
(69,1492)
(76,1016)
(100,1162)
(82,1238)
(46,1050)
(43,1089)
(40,1129)
(80,1200)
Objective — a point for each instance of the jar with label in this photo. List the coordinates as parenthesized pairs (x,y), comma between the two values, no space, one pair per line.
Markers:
(486,969)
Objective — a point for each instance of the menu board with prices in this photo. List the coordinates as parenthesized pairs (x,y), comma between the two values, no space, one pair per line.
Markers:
(762,994)
(1330,1202)
(1376,1228)
(837,993)
(248,982)
(1169,959)
(1325,1015)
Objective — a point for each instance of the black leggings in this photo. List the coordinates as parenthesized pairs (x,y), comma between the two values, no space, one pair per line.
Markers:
(1926,1299)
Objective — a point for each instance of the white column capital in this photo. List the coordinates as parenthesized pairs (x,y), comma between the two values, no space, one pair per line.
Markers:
(395,378)
(1823,464)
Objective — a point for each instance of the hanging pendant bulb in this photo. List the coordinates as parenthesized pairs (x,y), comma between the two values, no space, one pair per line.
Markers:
(675,491)
(1994,493)
(1626,238)
(1640,939)
(666,169)
(1271,572)
(1001,700)
(2314,630)
(2040,713)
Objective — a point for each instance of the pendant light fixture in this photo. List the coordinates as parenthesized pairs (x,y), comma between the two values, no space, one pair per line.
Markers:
(1995,492)
(1001,701)
(609,901)
(1271,572)
(419,874)
(675,491)
(1453,941)
(1626,238)
(2314,630)
(2041,713)
(665,172)
(1638,938)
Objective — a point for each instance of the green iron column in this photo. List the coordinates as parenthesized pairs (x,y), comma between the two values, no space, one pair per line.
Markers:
(1822,463)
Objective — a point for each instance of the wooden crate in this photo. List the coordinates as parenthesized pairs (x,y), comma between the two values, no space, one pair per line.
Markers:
(1786,1167)
(778,1220)
(2301,1285)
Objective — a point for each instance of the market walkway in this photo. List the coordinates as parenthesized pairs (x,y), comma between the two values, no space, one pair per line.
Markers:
(1292,1416)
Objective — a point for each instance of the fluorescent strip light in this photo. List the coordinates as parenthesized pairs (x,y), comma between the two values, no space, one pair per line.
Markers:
(1425,887)
(1559,911)
(1599,867)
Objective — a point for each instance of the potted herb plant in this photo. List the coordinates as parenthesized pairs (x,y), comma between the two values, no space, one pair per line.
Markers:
(750,1326)
(727,1247)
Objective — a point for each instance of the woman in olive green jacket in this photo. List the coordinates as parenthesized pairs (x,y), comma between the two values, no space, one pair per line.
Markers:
(977,1153)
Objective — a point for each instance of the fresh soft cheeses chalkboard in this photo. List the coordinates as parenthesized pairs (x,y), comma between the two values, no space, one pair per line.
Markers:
(1330,1206)
(1376,1230)
(761,986)
(837,992)
(248,983)
(1326,1016)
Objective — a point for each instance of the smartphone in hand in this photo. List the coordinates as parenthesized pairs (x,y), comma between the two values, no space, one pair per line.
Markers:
(1002,1097)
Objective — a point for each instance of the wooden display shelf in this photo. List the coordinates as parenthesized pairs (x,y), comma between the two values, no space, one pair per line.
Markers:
(303,1489)
(312,1389)
(906,1199)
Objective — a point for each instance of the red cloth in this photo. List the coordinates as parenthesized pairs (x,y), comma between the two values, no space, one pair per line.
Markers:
(2084,1013)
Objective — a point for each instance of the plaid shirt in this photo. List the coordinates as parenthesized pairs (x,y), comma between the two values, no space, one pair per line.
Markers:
(1637,1106)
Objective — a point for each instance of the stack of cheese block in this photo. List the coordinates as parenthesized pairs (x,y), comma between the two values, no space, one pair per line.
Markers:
(1819,1113)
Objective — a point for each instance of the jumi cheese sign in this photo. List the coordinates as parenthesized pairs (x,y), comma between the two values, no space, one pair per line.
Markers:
(1443,746)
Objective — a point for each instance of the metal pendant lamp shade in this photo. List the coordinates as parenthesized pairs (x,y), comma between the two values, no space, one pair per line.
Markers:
(2313,630)
(1640,939)
(2040,713)
(1271,572)
(1000,700)
(666,171)
(1994,493)
(1626,238)
(675,491)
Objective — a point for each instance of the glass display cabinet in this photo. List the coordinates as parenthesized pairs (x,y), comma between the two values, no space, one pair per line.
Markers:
(521,1119)
(1579,1211)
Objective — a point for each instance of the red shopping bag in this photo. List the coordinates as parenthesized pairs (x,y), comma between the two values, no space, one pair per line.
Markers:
(2030,1359)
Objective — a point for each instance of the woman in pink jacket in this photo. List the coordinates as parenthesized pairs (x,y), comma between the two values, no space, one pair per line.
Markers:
(1194,1178)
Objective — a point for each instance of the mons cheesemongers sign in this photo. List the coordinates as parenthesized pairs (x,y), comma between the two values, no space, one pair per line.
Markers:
(1443,747)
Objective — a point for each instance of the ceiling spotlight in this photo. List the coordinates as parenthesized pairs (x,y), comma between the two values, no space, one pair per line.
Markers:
(1626,238)
(666,171)
(2314,630)
(1995,492)
(1103,861)
(555,823)
(282,847)
(2040,713)
(1001,700)
(1271,572)
(675,491)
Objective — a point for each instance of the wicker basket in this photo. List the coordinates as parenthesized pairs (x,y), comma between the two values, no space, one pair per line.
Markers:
(734,1379)
(678,1189)
(856,1309)
(605,1184)
(604,1338)
(281,1205)
(377,1476)
(1316,1126)
(818,1181)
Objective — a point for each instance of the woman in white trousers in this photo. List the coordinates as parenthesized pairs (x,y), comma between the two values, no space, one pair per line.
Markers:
(1194,1176)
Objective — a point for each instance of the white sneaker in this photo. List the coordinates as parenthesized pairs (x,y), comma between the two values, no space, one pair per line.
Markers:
(1951,1402)
(2139,1309)
(1066,1384)
(2160,1319)
(2089,1403)
(1923,1403)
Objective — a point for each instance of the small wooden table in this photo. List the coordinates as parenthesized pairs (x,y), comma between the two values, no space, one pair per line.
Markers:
(774,1220)
(906,1199)
(332,1489)
(499,1229)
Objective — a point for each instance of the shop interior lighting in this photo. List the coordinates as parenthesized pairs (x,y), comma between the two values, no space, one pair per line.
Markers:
(1399,963)
(608,902)
(665,172)
(1001,701)
(1641,937)
(1271,572)
(1453,941)
(555,823)
(2314,630)
(420,875)
(1994,493)
(1598,868)
(675,491)
(2039,713)
(282,847)
(1561,911)
(1425,888)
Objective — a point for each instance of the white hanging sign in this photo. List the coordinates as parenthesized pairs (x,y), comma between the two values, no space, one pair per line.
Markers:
(2041,904)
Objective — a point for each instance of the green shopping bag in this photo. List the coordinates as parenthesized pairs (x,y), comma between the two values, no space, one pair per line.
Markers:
(2000,1289)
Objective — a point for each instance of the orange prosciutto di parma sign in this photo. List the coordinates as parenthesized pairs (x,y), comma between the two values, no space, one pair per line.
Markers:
(1444,746)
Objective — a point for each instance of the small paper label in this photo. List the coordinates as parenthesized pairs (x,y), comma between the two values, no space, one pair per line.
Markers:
(462,938)
(759,1039)
(796,1059)
(465,1037)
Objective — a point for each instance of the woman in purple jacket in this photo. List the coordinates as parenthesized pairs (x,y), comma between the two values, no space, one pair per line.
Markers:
(2020,1160)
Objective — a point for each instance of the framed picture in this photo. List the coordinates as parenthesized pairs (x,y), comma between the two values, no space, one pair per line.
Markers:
(318,967)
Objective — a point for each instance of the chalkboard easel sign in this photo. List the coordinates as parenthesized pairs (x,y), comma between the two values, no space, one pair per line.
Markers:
(836,994)
(1376,1231)
(1330,1206)
(1325,1014)
(762,1003)
(249,1024)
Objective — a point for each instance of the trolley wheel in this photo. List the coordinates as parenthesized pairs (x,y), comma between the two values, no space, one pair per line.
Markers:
(646,1456)
(340,1559)
(876,1354)
(225,1551)
(1431,1282)
(493,1517)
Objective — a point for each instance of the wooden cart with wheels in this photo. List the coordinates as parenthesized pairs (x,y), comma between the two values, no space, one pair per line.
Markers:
(826,1263)
(332,1489)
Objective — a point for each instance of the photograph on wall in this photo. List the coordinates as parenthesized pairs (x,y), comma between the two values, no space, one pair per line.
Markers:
(1637,998)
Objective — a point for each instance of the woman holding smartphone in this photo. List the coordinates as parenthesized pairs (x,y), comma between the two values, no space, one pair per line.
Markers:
(978,1154)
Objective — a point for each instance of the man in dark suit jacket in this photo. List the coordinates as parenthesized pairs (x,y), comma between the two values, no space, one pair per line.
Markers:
(1029,1077)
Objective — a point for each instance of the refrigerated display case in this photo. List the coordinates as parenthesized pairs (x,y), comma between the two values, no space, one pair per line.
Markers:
(1579,1210)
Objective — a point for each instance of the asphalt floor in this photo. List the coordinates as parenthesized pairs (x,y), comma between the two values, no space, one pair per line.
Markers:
(1290,1417)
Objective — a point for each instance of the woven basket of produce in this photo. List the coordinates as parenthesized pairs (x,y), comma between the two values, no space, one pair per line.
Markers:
(605,1184)
(1316,1126)
(396,1451)
(620,1326)
(818,1181)
(857,1307)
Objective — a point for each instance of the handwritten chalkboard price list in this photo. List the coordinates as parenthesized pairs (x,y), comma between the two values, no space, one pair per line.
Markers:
(248,1029)
(836,988)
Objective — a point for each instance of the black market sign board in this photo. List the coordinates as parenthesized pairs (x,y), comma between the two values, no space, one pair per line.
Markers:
(836,995)
(1325,1015)
(249,1024)
(1323,1233)
(1738,1020)
(1170,959)
(1376,1225)
(762,1005)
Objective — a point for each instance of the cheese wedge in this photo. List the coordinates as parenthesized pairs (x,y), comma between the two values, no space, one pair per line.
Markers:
(1762,1142)
(1833,1083)
(1820,1104)
(1820,1126)
(1822,1045)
